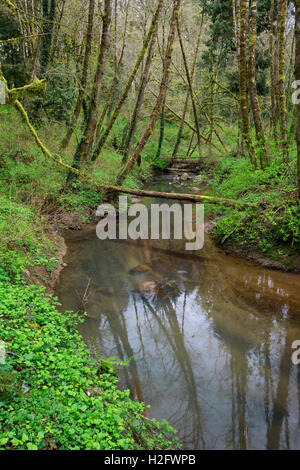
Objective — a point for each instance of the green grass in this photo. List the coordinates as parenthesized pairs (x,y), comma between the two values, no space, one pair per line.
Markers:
(272,229)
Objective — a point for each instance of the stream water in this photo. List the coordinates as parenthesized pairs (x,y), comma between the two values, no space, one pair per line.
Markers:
(211,350)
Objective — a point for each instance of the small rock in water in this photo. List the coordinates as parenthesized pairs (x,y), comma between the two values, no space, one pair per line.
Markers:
(148,288)
(184,176)
(141,268)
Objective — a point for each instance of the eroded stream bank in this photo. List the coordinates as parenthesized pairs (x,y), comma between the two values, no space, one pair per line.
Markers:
(210,347)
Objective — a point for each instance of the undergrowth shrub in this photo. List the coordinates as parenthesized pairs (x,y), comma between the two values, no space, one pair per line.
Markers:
(274,225)
(52,394)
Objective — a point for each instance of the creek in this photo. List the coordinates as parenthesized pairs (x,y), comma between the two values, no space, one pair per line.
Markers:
(210,345)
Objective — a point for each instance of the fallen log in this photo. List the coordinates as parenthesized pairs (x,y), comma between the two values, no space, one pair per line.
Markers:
(183,170)
(119,189)
(178,196)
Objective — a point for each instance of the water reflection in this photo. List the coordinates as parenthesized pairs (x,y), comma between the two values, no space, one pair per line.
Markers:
(211,347)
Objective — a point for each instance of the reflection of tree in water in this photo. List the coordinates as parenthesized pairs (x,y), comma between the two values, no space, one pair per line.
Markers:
(226,295)
(150,314)
(240,334)
(298,382)
(168,323)
(280,404)
(252,333)
(119,331)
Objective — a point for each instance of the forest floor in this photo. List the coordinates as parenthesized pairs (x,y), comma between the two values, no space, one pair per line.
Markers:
(54,394)
(35,205)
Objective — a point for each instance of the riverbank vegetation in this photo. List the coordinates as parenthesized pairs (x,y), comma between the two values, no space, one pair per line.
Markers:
(270,231)
(53,394)
(102,94)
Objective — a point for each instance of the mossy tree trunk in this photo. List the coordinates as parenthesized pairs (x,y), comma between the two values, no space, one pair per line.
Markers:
(212,84)
(161,129)
(85,144)
(160,99)
(139,101)
(118,63)
(297,77)
(274,111)
(260,135)
(56,31)
(179,135)
(48,22)
(83,82)
(243,80)
(189,80)
(276,72)
(236,10)
(282,14)
(162,112)
(103,138)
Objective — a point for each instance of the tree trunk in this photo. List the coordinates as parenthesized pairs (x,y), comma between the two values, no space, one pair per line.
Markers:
(243,80)
(162,112)
(274,111)
(105,135)
(49,18)
(179,135)
(88,48)
(282,13)
(297,77)
(161,129)
(190,143)
(140,97)
(211,105)
(276,69)
(57,28)
(115,79)
(190,88)
(23,45)
(86,141)
(237,29)
(260,136)
(160,99)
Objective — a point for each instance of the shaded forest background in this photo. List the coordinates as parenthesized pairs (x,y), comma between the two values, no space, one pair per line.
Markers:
(100,93)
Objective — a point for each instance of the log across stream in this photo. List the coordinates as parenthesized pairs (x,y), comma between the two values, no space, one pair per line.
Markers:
(209,336)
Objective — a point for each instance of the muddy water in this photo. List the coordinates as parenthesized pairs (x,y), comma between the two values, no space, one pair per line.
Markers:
(210,347)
